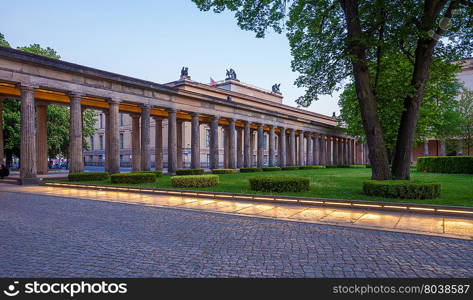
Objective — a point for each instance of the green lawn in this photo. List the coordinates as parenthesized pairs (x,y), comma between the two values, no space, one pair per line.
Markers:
(457,189)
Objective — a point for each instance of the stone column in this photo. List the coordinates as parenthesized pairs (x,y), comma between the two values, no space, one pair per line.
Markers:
(322,152)
(145,138)
(316,150)
(282,147)
(42,138)
(443,148)
(272,145)
(158,143)
(195,141)
(114,150)
(28,169)
(353,151)
(292,148)
(335,150)
(135,143)
(329,151)
(225,147)
(172,141)
(2,151)
(340,151)
(107,140)
(345,151)
(247,145)
(76,163)
(302,159)
(232,163)
(239,148)
(260,152)
(180,150)
(214,164)
(310,148)
(426,148)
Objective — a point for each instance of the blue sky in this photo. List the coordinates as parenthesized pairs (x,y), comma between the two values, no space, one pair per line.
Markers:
(152,40)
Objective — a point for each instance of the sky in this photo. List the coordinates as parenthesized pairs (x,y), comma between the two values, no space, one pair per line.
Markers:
(154,39)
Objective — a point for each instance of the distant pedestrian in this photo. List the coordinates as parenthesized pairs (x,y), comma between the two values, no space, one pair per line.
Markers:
(4,172)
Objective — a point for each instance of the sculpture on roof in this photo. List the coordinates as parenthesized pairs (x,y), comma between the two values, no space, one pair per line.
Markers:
(231,75)
(185,73)
(275,88)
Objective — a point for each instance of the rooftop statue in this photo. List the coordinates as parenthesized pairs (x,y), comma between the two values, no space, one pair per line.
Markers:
(185,73)
(276,89)
(231,75)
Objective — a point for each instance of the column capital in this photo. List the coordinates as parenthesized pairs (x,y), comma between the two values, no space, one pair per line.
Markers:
(27,88)
(134,115)
(231,120)
(258,124)
(113,101)
(214,117)
(145,106)
(195,114)
(246,122)
(74,95)
(271,126)
(171,110)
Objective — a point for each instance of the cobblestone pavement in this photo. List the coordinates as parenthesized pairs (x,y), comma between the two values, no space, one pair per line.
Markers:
(47,236)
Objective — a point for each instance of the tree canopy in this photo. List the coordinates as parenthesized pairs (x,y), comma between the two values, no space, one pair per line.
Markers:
(335,41)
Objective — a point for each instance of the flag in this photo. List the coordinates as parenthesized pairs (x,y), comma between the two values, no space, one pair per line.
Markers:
(212,82)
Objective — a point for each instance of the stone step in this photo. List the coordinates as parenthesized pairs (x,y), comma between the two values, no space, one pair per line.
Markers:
(10,180)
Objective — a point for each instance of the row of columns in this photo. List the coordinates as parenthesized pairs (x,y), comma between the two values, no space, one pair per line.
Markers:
(318,149)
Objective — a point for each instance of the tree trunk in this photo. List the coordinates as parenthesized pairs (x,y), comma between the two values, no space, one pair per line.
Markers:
(412,103)
(368,106)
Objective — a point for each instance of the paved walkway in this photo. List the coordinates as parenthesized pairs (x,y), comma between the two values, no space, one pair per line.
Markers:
(378,220)
(44,235)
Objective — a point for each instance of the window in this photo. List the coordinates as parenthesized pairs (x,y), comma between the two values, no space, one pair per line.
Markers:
(122,142)
(208,160)
(92,143)
(121,157)
(207,138)
(100,157)
(265,141)
(101,142)
(121,119)
(101,120)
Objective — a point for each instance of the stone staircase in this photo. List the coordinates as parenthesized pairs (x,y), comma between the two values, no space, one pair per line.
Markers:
(10,180)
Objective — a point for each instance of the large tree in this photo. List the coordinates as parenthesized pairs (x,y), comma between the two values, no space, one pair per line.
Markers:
(332,41)
(58,117)
(439,114)
(466,110)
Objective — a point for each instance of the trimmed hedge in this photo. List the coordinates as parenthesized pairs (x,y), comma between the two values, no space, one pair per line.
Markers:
(404,189)
(133,178)
(357,166)
(278,184)
(289,168)
(338,166)
(223,171)
(271,169)
(87,176)
(445,164)
(189,171)
(311,167)
(157,173)
(248,170)
(194,181)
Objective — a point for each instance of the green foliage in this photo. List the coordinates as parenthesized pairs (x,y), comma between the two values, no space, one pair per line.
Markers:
(289,168)
(194,181)
(357,166)
(88,176)
(248,170)
(3,42)
(223,171)
(271,169)
(403,189)
(133,178)
(279,184)
(445,164)
(189,171)
(311,167)
(38,50)
(156,172)
(439,116)
(337,166)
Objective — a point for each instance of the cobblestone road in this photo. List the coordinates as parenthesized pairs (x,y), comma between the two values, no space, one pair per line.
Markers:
(43,236)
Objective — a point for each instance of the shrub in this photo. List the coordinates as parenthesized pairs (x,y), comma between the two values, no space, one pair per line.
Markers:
(278,184)
(223,171)
(289,168)
(445,164)
(194,181)
(157,173)
(404,189)
(87,176)
(271,169)
(311,167)
(358,166)
(189,171)
(133,178)
(248,170)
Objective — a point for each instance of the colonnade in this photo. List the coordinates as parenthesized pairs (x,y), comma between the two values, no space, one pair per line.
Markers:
(286,146)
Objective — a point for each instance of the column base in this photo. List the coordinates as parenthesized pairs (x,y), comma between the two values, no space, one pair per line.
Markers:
(29,181)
